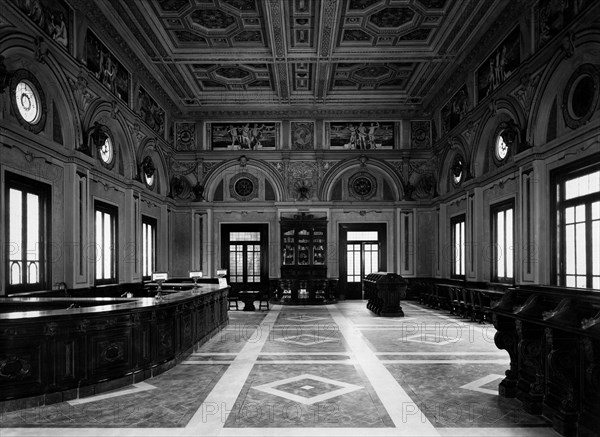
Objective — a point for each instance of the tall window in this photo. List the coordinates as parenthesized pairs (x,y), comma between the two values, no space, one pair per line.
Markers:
(457,225)
(27,231)
(106,243)
(503,242)
(578,228)
(148,246)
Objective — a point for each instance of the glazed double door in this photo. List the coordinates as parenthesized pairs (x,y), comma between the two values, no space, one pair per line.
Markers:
(362,251)
(244,255)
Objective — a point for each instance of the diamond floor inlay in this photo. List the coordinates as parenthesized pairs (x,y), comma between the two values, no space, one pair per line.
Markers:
(306,339)
(332,370)
(284,389)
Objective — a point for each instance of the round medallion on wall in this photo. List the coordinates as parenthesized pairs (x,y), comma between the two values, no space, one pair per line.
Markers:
(500,148)
(362,185)
(505,142)
(106,152)
(28,100)
(243,187)
(457,170)
(149,172)
(580,97)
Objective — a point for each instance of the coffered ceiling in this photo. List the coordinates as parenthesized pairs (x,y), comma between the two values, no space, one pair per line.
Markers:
(377,54)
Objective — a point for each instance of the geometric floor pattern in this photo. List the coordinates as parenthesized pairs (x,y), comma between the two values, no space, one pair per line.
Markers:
(334,370)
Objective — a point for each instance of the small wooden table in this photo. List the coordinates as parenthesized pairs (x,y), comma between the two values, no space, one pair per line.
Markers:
(248,297)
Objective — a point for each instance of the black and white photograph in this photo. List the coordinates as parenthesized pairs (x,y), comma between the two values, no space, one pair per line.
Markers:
(321,218)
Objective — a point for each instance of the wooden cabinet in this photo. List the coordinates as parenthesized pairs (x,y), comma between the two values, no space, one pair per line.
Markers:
(304,260)
(303,241)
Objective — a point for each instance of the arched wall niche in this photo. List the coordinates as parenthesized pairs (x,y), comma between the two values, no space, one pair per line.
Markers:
(555,78)
(101,113)
(150,148)
(224,172)
(19,52)
(505,110)
(344,170)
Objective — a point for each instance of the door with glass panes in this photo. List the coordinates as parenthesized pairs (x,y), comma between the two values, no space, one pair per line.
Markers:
(362,251)
(244,255)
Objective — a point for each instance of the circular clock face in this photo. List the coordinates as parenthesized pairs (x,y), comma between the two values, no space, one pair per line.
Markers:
(501,148)
(244,187)
(106,151)
(28,102)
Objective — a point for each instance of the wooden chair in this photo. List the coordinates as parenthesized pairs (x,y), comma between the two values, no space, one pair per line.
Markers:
(264,297)
(233,300)
(454,300)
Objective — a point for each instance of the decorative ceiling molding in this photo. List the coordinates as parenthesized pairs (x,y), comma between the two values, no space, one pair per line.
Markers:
(206,58)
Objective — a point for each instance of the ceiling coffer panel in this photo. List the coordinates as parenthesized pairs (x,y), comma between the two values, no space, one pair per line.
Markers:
(371,76)
(232,76)
(219,23)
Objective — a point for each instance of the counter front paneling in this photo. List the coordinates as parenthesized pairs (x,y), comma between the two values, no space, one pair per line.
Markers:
(57,349)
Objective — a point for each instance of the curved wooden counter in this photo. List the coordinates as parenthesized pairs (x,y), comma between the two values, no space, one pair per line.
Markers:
(56,355)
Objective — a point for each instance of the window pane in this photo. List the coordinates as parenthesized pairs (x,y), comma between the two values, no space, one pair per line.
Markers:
(32,272)
(596,283)
(570,281)
(580,247)
(570,249)
(98,239)
(509,244)
(15,272)
(596,247)
(33,227)
(580,213)
(500,248)
(244,236)
(462,248)
(595,210)
(15,227)
(581,281)
(570,215)
(144,249)
(582,185)
(107,246)
(363,236)
(353,263)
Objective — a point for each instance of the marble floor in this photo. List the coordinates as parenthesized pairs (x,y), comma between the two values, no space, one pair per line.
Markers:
(335,370)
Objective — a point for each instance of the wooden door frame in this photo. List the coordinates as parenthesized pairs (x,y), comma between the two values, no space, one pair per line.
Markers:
(263,228)
(343,229)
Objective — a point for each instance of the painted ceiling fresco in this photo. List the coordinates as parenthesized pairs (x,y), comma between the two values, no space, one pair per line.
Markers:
(376,53)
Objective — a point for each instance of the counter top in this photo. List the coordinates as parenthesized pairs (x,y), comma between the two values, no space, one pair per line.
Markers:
(94,305)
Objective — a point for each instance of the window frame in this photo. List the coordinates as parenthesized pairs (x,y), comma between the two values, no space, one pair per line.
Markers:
(43,191)
(153,223)
(559,178)
(113,212)
(494,210)
(460,218)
